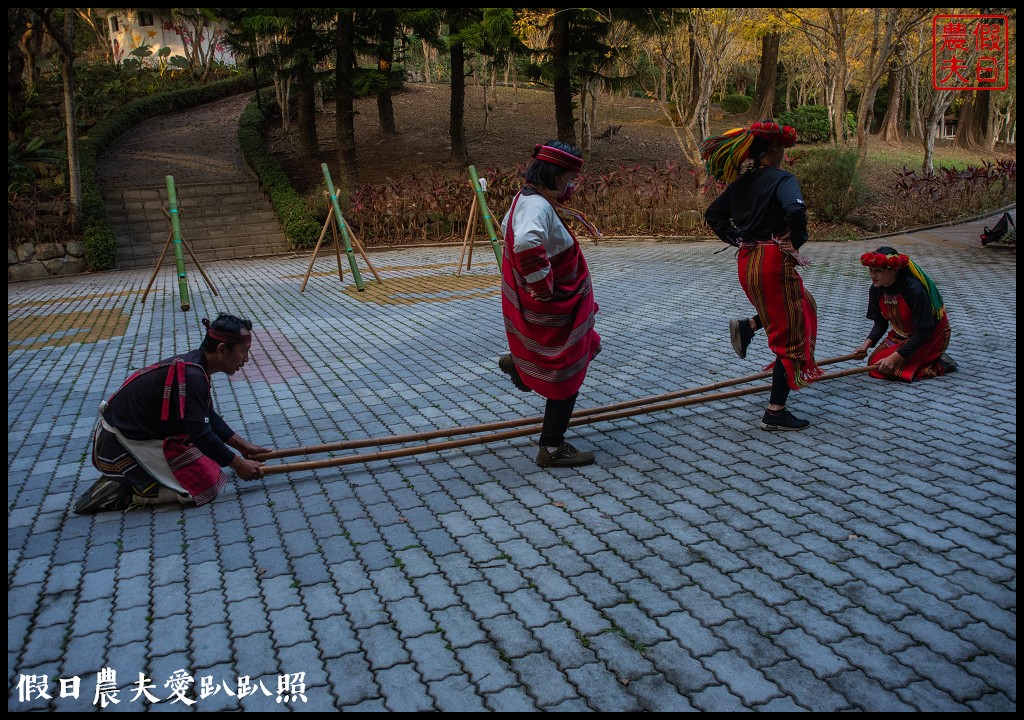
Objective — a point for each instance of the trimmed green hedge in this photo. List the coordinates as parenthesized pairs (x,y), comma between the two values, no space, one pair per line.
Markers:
(830,182)
(98,237)
(811,123)
(736,104)
(300,226)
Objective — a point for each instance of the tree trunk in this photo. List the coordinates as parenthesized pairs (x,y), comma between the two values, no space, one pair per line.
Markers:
(305,118)
(457,109)
(916,114)
(426,62)
(385,59)
(32,45)
(283,90)
(71,119)
(344,117)
(487,103)
(936,109)
(562,84)
(984,125)
(664,80)
(966,132)
(65,40)
(891,129)
(763,105)
(305,96)
(16,98)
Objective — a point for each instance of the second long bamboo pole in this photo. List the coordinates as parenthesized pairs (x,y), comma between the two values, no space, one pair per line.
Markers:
(532,429)
(505,424)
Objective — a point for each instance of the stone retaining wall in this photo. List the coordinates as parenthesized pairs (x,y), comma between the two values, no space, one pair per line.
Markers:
(39,241)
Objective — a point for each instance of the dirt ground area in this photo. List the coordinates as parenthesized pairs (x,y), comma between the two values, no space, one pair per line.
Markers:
(519,119)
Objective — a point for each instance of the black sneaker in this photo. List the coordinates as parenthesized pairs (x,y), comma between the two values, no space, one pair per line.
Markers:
(106,494)
(509,368)
(783,420)
(565,456)
(741,334)
(947,363)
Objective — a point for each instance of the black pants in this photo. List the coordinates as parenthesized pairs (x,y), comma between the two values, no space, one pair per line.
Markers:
(557,414)
(780,384)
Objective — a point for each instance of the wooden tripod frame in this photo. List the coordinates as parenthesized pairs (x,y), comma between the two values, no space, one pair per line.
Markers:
(469,240)
(337,249)
(163,254)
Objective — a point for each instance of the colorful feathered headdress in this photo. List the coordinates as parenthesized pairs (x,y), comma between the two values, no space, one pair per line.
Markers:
(724,154)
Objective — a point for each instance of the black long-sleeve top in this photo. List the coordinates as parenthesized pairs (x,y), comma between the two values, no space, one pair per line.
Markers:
(916,296)
(135,410)
(762,202)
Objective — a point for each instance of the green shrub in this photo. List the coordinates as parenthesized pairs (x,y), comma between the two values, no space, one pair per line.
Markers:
(829,182)
(736,104)
(811,123)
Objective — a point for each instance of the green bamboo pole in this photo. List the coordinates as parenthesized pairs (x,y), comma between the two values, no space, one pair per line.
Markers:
(488,221)
(343,228)
(179,258)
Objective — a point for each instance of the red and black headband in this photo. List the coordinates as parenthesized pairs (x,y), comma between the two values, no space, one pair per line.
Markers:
(227,337)
(557,157)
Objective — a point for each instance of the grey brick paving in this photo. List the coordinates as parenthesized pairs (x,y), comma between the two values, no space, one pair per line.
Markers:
(699,564)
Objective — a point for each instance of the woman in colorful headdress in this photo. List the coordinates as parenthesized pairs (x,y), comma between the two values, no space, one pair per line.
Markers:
(546,298)
(762,212)
(904,300)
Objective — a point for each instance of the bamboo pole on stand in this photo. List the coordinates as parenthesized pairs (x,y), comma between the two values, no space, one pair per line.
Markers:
(485,213)
(175,237)
(344,230)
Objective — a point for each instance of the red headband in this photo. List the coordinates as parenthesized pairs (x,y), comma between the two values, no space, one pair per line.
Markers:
(786,136)
(227,337)
(557,157)
(883,261)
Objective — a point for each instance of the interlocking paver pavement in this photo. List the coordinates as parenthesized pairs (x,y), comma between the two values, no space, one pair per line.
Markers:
(868,563)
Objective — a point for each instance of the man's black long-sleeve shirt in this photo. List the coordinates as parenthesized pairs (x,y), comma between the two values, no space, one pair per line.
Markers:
(135,410)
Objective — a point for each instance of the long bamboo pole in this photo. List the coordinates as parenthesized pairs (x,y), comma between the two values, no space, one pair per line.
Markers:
(485,213)
(535,420)
(532,429)
(341,225)
(179,258)
(504,424)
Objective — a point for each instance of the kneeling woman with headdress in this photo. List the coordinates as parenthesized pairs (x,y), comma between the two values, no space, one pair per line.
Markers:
(904,300)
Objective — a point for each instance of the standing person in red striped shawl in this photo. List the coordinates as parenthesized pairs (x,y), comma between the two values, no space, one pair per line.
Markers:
(762,212)
(546,298)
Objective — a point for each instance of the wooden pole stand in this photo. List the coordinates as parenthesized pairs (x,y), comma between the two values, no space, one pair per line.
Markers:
(467,240)
(338,249)
(163,254)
